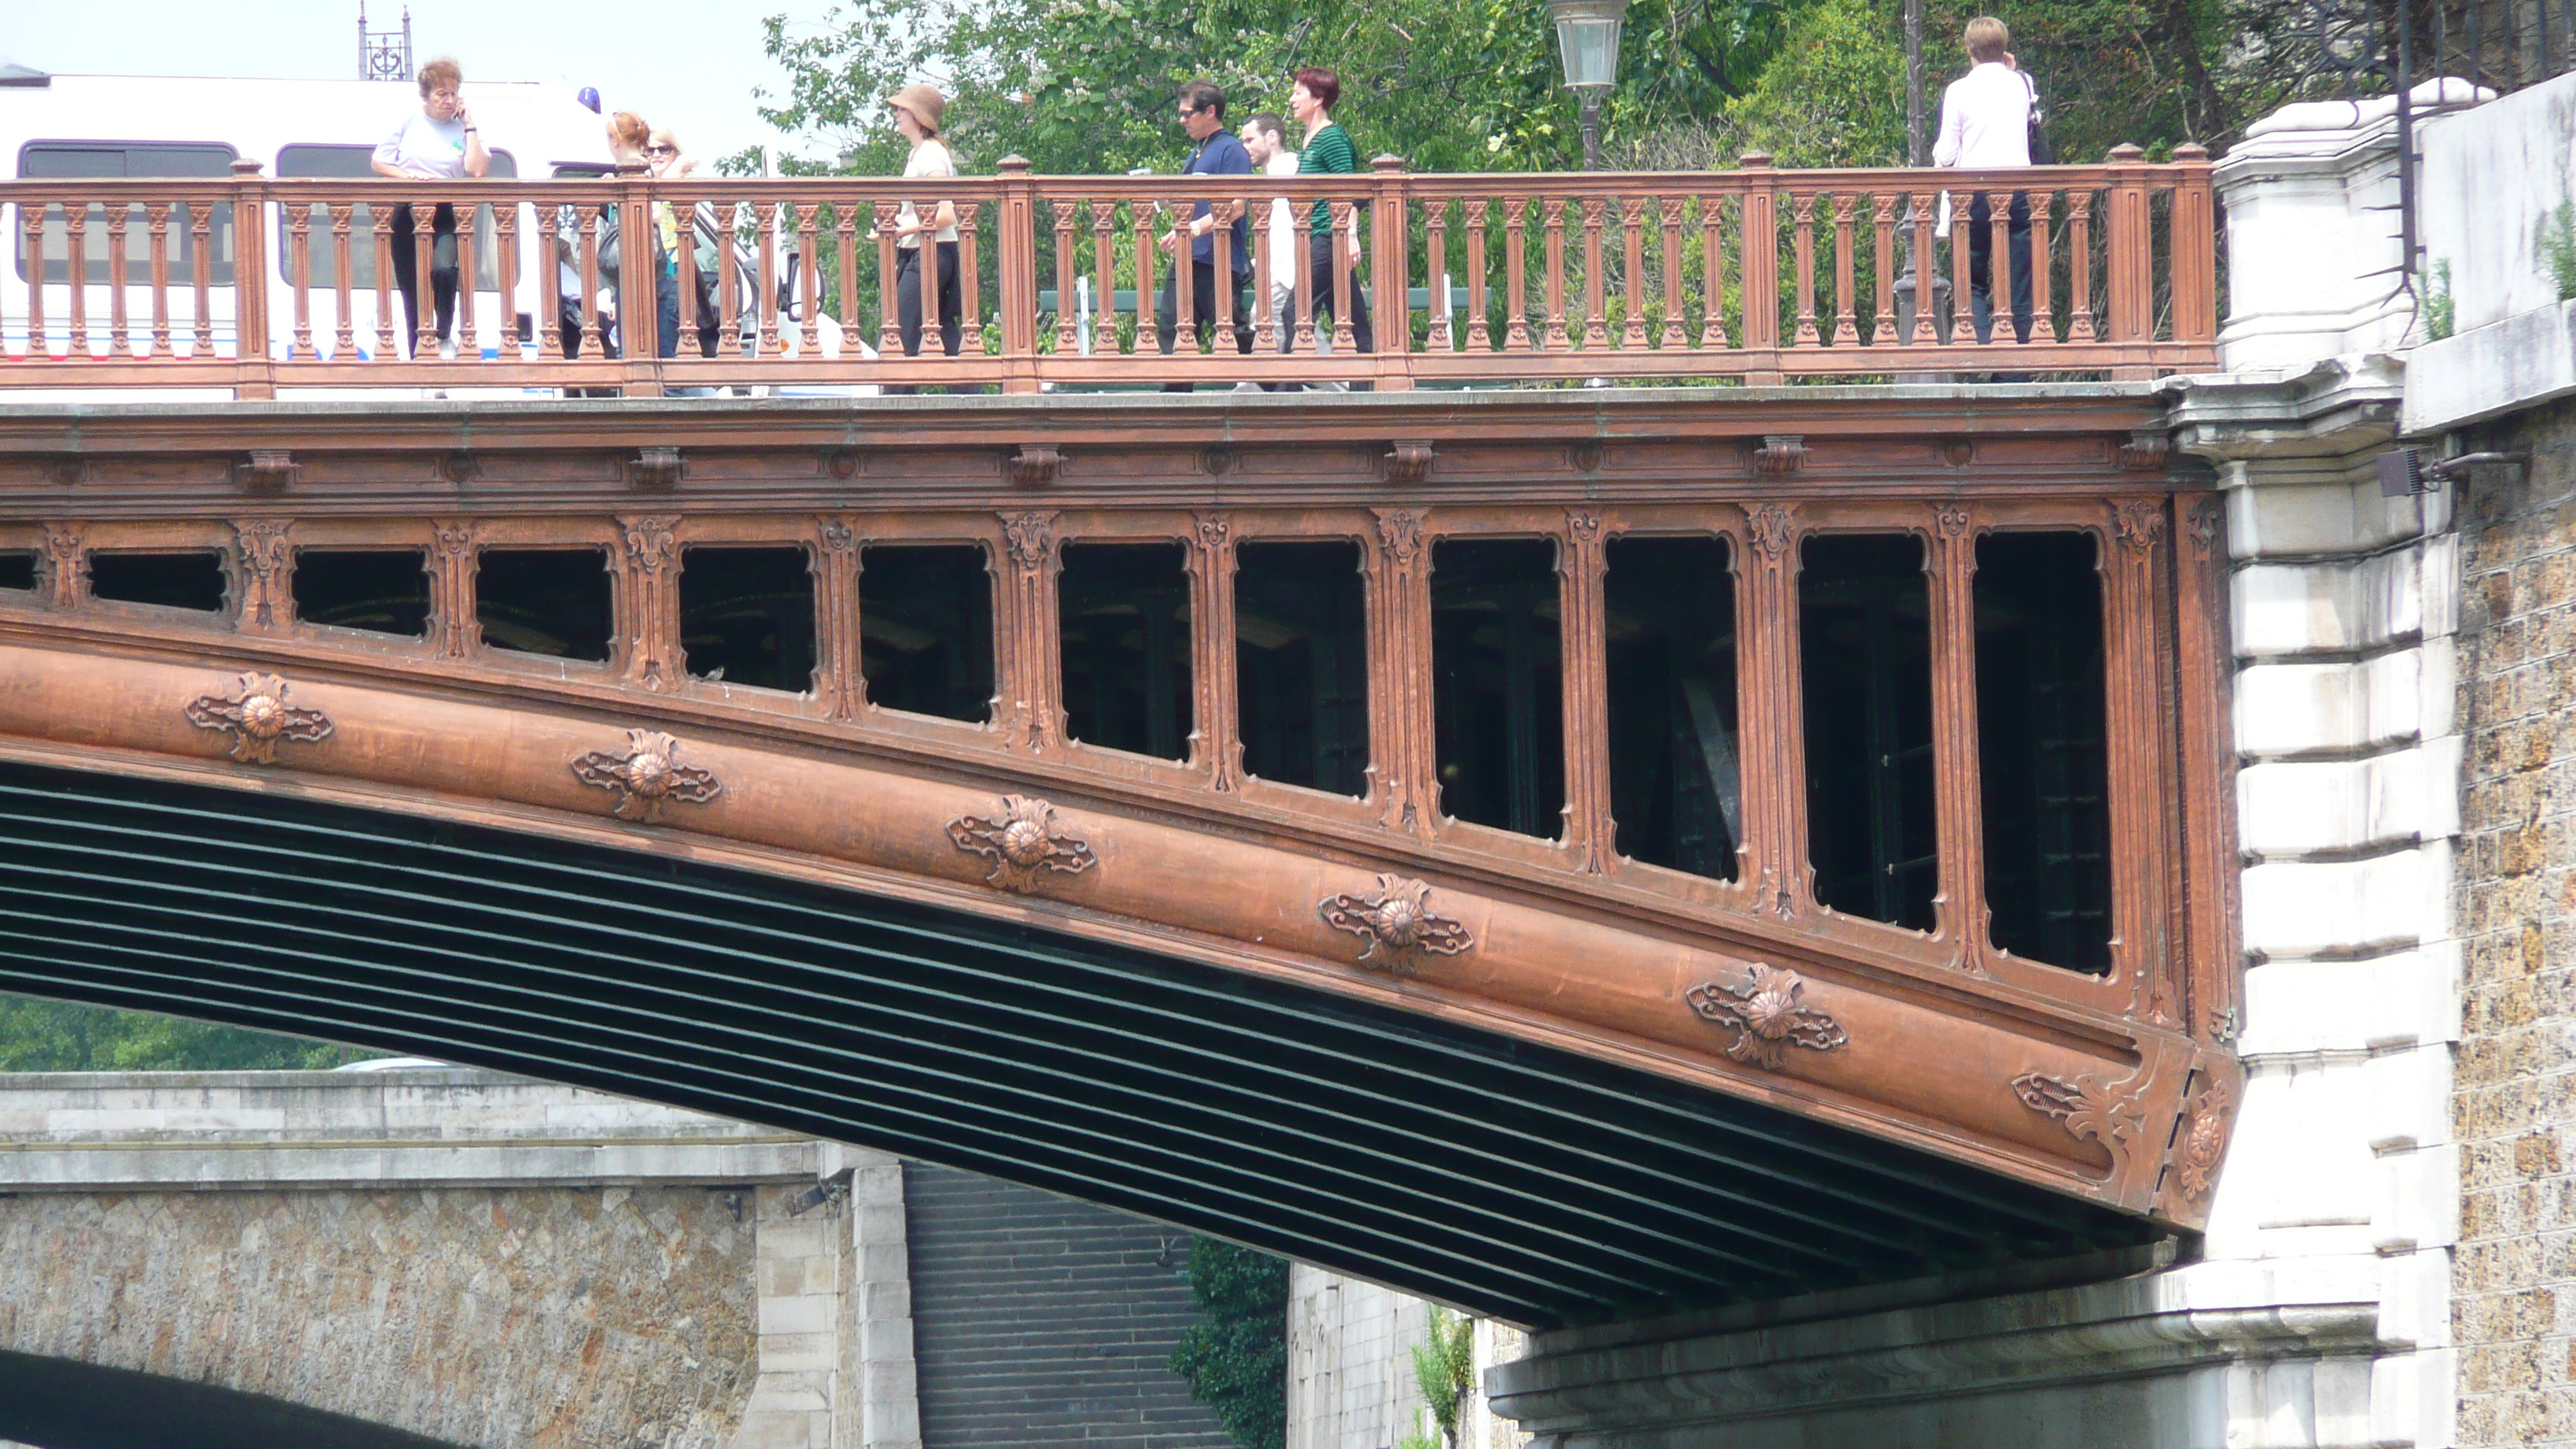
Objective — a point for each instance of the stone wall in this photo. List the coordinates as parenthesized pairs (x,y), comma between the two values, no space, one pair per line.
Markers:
(2513,1315)
(515,1316)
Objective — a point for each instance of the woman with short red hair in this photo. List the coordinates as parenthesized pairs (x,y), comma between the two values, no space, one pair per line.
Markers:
(1328,152)
(438,142)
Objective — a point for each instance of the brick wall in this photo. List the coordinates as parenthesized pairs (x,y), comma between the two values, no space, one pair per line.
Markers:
(1041,1321)
(2514,1280)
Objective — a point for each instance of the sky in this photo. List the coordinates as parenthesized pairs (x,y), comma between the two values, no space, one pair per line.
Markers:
(691,65)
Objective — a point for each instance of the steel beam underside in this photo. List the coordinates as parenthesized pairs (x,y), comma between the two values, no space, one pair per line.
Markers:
(1511,1180)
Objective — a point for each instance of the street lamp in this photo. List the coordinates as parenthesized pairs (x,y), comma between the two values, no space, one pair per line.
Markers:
(1587,40)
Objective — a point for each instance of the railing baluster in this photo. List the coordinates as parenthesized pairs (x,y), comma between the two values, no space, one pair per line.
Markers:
(1596,332)
(593,344)
(469,329)
(1712,273)
(1882,327)
(549,318)
(1104,277)
(1185,322)
(1963,310)
(32,221)
(1553,213)
(1066,337)
(883,218)
(970,291)
(1268,325)
(1516,336)
(765,216)
(343,329)
(1846,320)
(845,218)
(76,247)
(1632,213)
(1140,215)
(120,340)
(1675,336)
(1802,219)
(1221,249)
(810,297)
(387,349)
(1435,232)
(1920,213)
(505,246)
(1478,339)
(299,260)
(1300,225)
(424,239)
(2043,322)
(201,227)
(1338,247)
(2003,319)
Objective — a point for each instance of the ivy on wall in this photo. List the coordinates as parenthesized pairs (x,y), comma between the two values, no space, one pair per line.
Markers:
(1235,1358)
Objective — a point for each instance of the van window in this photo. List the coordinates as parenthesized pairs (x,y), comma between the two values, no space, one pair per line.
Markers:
(314,161)
(50,160)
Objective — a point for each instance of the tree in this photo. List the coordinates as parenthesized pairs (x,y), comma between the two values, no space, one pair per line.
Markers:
(1444,1369)
(57,1036)
(1235,1358)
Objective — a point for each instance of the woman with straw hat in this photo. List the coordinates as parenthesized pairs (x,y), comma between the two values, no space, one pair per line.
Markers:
(917,109)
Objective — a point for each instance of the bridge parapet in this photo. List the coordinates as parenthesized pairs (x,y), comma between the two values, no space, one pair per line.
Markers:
(254,284)
(1692,741)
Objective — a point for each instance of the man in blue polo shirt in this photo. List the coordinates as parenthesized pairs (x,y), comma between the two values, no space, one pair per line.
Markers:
(1218,154)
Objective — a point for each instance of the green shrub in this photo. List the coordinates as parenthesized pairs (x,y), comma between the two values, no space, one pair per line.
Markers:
(1235,1358)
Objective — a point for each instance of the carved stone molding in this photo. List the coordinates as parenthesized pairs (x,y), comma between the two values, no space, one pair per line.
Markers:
(2203,524)
(459,468)
(1953,518)
(66,564)
(836,535)
(2086,1107)
(649,545)
(646,777)
(1769,1014)
(2147,450)
(1218,460)
(1022,842)
(843,463)
(1029,537)
(1212,530)
(655,468)
(1396,925)
(2139,523)
(1035,465)
(1781,454)
(68,472)
(1584,457)
(1958,452)
(1772,527)
(269,470)
(1583,525)
(2203,1140)
(259,719)
(264,557)
(1400,530)
(1409,462)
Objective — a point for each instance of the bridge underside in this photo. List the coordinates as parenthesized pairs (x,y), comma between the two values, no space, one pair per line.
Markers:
(56,1403)
(1504,1177)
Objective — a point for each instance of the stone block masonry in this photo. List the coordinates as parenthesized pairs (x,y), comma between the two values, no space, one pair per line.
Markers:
(2514,1108)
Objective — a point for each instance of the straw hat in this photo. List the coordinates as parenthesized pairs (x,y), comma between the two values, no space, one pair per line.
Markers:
(924,101)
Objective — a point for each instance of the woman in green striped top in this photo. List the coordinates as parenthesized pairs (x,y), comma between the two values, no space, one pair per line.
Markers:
(1328,151)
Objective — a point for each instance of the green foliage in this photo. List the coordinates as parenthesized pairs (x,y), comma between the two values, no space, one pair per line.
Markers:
(1444,1368)
(55,1036)
(1235,1358)
(1835,94)
(2558,248)
(2441,312)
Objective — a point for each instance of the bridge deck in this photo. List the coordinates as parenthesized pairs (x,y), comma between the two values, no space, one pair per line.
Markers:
(1464,1022)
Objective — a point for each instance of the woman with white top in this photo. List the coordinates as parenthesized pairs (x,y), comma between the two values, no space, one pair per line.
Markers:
(439,142)
(917,109)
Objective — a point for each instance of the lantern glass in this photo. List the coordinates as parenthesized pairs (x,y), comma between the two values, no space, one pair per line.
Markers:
(1587,40)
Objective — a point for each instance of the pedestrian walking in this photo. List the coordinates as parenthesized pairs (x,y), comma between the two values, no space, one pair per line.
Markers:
(1265,140)
(438,142)
(1327,151)
(1218,153)
(1985,125)
(917,111)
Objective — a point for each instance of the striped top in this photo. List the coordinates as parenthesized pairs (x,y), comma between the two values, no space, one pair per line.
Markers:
(1328,153)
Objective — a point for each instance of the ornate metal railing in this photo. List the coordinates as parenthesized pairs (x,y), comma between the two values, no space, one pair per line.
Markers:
(1755,274)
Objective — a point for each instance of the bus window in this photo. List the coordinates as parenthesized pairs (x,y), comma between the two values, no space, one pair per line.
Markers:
(343,163)
(51,160)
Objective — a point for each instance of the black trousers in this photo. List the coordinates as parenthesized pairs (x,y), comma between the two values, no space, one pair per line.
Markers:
(908,308)
(1167,323)
(1981,263)
(1319,279)
(442,268)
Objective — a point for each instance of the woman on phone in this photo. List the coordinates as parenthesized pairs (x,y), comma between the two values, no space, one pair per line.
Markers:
(438,142)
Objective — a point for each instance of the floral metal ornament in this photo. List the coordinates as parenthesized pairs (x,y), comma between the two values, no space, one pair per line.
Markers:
(1022,843)
(2204,1141)
(1397,923)
(259,719)
(1769,1014)
(648,776)
(2086,1107)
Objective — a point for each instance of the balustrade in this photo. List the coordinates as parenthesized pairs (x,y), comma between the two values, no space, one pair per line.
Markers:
(1755,274)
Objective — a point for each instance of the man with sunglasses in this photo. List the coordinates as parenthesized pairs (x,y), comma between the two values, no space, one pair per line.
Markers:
(1202,115)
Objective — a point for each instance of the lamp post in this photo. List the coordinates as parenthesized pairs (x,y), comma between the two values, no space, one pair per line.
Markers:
(1587,41)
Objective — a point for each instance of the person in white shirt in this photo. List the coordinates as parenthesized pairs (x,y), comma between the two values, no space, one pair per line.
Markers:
(438,142)
(1985,124)
(917,110)
(1265,136)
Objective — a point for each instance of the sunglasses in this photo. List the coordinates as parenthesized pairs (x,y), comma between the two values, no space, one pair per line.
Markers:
(661,150)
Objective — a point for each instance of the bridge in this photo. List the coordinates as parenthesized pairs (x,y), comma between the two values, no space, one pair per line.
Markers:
(1573,854)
